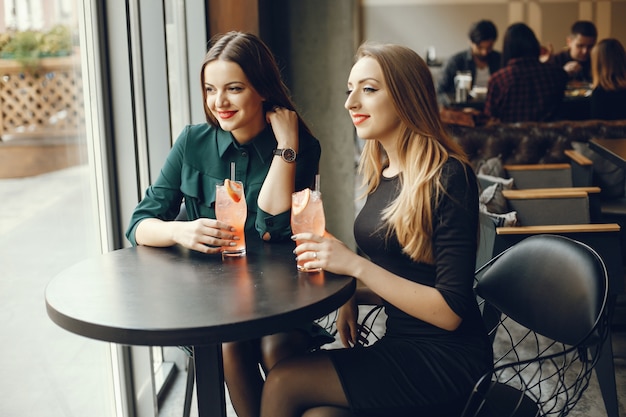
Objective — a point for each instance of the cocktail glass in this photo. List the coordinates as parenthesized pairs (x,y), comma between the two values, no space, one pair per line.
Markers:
(231,208)
(307,216)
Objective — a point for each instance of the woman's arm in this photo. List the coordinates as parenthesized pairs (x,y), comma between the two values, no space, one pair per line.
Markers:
(420,301)
(152,222)
(279,184)
(202,235)
(454,238)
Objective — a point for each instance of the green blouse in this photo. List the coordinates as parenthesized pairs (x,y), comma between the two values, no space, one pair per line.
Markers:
(201,158)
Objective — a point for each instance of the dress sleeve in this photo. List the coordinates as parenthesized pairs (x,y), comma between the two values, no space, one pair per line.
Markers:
(163,198)
(278,226)
(455,237)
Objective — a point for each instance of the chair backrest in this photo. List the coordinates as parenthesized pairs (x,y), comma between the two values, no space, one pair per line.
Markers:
(545,206)
(577,173)
(545,304)
(540,175)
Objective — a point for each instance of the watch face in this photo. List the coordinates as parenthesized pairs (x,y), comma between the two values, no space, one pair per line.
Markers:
(289,155)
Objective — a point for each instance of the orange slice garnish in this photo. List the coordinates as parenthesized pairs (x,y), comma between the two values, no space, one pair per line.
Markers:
(234,189)
(300,201)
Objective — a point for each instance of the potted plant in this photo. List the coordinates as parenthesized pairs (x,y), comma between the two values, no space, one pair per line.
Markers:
(28,46)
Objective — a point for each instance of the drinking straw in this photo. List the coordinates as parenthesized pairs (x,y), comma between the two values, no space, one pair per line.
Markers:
(317,183)
(232,171)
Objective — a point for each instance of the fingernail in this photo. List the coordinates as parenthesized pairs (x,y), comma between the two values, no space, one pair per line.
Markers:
(293,237)
(232,244)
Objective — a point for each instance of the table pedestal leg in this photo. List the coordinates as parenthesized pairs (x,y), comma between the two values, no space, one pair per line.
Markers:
(210,380)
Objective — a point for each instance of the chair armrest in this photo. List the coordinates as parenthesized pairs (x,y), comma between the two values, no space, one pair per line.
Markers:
(582,168)
(578,172)
(536,167)
(549,193)
(558,229)
(545,207)
(577,157)
(540,175)
(603,237)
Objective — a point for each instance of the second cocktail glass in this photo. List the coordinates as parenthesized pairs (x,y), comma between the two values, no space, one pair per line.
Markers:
(307,216)
(231,208)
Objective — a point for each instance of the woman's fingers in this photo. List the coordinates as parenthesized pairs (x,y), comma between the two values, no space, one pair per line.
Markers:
(208,235)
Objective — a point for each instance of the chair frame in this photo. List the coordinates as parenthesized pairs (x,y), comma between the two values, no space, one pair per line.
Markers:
(366,333)
(547,382)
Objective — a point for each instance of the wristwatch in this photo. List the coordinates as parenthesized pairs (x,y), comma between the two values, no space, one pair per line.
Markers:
(288,154)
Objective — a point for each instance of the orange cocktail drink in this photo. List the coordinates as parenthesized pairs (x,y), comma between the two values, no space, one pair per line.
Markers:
(231,208)
(307,216)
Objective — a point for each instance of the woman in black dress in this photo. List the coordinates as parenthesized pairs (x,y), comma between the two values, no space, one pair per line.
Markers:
(418,229)
(608,66)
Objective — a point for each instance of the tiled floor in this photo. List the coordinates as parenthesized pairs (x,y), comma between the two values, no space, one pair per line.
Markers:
(44,228)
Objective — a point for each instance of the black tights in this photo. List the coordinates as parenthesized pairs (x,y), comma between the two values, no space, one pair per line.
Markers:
(242,374)
(304,386)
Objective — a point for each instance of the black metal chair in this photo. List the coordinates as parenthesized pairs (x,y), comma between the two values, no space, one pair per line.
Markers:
(369,314)
(545,303)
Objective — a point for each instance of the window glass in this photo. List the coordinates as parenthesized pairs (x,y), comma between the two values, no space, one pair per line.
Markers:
(177,65)
(47,219)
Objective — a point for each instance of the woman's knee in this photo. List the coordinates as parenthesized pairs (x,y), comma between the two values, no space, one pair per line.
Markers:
(276,347)
(307,381)
(240,352)
(277,385)
(327,412)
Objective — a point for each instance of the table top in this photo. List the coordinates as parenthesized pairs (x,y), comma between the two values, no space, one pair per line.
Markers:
(613,149)
(174,296)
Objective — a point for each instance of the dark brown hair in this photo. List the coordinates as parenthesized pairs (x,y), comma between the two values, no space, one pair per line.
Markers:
(257,62)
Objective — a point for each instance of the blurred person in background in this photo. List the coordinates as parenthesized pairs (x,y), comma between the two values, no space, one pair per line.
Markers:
(608,66)
(575,59)
(480,60)
(524,89)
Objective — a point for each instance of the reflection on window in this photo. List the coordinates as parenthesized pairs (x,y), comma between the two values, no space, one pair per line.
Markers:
(177,65)
(47,222)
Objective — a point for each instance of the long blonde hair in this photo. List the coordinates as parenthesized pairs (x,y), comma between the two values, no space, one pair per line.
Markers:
(423,147)
(608,65)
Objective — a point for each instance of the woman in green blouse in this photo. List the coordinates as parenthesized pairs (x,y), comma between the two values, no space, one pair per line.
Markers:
(253,123)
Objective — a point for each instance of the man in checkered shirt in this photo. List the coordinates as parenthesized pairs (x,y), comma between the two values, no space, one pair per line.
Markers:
(525,89)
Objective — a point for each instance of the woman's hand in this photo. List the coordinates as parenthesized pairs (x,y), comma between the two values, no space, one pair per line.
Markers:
(346,323)
(275,194)
(204,235)
(327,253)
(284,123)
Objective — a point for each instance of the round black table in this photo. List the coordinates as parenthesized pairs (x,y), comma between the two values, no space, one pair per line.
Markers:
(174,296)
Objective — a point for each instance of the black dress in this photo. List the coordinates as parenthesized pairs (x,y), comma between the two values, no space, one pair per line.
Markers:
(608,105)
(416,368)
